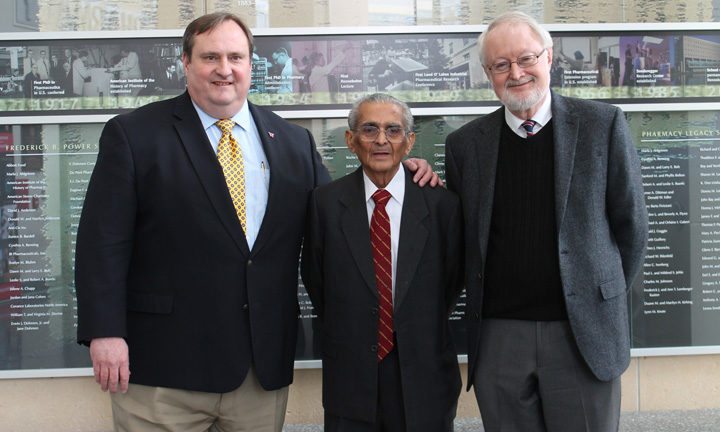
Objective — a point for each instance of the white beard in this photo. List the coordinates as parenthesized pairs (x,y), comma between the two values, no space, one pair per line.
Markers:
(516,103)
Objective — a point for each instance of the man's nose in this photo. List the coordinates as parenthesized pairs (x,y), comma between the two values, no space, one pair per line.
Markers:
(515,71)
(382,137)
(223,67)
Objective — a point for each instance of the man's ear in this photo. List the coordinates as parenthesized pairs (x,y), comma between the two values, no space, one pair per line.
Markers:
(186,61)
(410,143)
(349,141)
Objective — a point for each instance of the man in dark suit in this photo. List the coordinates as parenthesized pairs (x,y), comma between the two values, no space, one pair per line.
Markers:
(56,69)
(168,79)
(182,277)
(384,293)
(66,80)
(555,233)
(29,82)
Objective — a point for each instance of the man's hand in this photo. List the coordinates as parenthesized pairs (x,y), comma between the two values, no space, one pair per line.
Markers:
(423,172)
(111,363)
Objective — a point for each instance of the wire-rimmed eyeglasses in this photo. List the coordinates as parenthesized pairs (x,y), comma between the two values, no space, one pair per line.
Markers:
(503,65)
(369,133)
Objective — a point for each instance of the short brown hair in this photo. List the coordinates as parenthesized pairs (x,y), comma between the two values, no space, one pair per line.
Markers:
(209,22)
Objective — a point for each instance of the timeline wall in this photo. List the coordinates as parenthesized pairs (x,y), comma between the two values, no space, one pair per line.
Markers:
(56,91)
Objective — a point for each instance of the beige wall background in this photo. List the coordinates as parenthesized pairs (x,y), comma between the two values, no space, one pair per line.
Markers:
(77,404)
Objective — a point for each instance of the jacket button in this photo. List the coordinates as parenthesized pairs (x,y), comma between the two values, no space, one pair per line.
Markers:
(373,348)
(477,315)
(479,275)
(374,311)
(249,262)
(564,251)
(245,307)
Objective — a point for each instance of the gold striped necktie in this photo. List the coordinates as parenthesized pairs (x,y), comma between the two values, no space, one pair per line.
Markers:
(231,159)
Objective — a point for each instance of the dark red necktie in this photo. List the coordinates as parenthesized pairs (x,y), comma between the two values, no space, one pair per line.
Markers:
(380,238)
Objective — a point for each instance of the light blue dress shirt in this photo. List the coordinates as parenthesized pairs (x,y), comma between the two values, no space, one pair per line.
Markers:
(257,169)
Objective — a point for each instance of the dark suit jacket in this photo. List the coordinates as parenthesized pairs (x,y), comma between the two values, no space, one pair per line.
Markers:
(163,262)
(66,82)
(29,84)
(339,275)
(56,72)
(601,219)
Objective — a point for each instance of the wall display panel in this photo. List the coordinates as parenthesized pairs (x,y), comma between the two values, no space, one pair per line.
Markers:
(46,163)
(676,301)
(301,72)
(88,76)
(44,170)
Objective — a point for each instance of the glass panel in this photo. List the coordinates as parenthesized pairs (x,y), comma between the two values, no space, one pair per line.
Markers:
(44,170)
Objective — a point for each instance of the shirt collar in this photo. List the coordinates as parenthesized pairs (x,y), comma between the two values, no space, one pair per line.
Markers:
(396,187)
(241,118)
(541,117)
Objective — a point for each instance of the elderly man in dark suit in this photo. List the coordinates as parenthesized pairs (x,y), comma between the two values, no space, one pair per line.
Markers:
(382,266)
(188,245)
(555,232)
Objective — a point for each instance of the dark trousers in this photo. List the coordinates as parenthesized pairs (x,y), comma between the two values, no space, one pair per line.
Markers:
(530,377)
(390,415)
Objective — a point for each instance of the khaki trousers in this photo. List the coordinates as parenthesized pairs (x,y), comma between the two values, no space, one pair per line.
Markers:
(247,408)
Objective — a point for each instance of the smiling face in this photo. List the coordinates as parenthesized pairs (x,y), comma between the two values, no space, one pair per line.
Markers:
(218,70)
(521,90)
(380,158)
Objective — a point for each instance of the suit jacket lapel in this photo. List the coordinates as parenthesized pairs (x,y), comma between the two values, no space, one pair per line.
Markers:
(355,227)
(413,235)
(487,143)
(565,136)
(207,168)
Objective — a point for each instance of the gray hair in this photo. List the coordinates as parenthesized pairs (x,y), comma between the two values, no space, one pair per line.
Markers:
(378,98)
(515,18)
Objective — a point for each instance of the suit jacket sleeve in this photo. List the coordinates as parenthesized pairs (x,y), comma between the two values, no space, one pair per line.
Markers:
(105,239)
(312,263)
(454,257)
(452,174)
(627,213)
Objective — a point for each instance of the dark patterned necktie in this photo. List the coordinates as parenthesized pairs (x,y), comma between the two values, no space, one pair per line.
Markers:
(380,238)
(529,125)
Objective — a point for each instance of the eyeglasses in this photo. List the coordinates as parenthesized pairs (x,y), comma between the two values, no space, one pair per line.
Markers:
(503,65)
(369,133)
